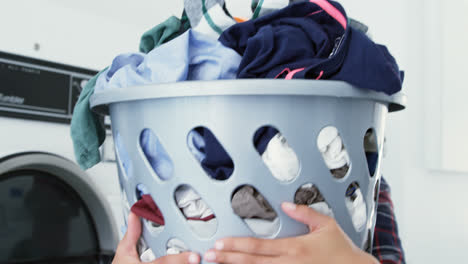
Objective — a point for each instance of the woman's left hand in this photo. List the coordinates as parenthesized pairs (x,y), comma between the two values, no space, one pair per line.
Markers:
(325,243)
(127,253)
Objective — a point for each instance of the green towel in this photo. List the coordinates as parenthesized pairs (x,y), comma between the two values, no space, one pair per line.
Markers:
(87,128)
(160,34)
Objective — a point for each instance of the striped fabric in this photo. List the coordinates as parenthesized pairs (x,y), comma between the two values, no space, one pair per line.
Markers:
(209,17)
(387,245)
(263,7)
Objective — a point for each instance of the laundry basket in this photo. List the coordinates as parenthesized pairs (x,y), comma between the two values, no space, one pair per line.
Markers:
(234,110)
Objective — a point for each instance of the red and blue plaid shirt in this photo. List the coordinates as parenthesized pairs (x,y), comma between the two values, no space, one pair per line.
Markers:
(387,244)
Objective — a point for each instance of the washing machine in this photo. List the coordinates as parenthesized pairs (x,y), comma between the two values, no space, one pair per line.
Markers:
(51,211)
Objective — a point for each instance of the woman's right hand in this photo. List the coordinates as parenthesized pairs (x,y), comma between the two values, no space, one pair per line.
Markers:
(127,253)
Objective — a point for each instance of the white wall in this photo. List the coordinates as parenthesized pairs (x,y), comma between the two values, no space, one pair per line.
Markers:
(85,33)
(430,204)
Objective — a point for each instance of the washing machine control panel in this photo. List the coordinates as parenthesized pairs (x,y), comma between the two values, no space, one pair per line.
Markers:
(38,89)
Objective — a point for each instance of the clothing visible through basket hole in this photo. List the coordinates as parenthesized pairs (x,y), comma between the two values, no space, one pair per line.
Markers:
(372,150)
(145,207)
(279,157)
(199,216)
(174,246)
(156,154)
(354,201)
(254,209)
(123,157)
(151,216)
(207,150)
(195,209)
(144,251)
(191,204)
(333,151)
(140,191)
(202,220)
(276,153)
(309,194)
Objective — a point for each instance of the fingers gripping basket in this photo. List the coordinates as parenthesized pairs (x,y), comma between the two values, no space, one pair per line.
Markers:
(233,111)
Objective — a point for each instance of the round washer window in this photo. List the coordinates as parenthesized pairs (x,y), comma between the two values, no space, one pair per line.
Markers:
(43,220)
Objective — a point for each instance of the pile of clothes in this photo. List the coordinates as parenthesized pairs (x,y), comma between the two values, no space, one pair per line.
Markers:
(285,39)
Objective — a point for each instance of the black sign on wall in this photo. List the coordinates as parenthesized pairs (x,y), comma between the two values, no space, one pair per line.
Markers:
(39,90)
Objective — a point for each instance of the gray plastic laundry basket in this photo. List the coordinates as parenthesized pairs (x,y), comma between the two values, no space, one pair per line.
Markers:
(233,110)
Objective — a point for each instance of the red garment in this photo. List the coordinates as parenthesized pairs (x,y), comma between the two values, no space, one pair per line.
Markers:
(147,208)
(205,219)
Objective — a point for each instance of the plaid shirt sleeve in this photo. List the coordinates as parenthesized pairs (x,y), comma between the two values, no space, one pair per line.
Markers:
(387,244)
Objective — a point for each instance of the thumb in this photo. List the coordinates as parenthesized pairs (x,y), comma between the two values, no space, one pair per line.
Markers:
(130,239)
(306,215)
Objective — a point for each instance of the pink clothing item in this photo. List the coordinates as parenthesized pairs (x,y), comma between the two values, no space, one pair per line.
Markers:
(332,11)
(291,73)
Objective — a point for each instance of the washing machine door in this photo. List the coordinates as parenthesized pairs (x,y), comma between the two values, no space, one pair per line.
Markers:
(49,213)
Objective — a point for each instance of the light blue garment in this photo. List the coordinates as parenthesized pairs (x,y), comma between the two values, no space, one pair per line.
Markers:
(126,65)
(141,190)
(156,154)
(196,144)
(191,56)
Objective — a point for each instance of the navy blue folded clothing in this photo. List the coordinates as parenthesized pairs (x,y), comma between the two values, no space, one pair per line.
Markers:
(312,40)
(217,162)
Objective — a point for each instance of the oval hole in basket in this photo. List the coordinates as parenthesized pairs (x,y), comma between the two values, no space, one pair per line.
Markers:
(333,152)
(276,153)
(146,208)
(145,252)
(372,150)
(252,207)
(156,154)
(122,181)
(376,191)
(198,214)
(123,157)
(140,190)
(210,154)
(175,246)
(309,194)
(356,205)
(367,243)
